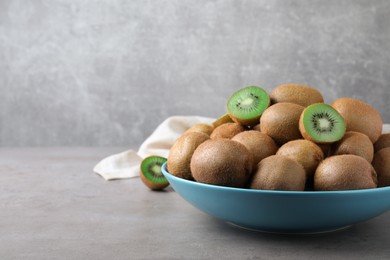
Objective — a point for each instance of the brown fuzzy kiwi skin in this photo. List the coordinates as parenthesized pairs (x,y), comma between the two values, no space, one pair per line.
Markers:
(152,185)
(354,143)
(381,163)
(227,130)
(222,162)
(360,117)
(305,152)
(222,120)
(344,172)
(382,142)
(281,122)
(247,122)
(296,93)
(278,172)
(203,128)
(256,127)
(180,154)
(259,144)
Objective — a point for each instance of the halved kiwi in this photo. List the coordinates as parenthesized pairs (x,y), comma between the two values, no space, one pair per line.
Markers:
(321,123)
(246,105)
(151,173)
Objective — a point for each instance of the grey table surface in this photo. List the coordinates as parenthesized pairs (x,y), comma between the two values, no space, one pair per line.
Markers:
(52,206)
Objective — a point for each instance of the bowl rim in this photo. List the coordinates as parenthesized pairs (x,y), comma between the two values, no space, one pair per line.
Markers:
(280,192)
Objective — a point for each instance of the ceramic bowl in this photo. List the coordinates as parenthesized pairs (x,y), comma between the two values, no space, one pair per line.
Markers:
(283,211)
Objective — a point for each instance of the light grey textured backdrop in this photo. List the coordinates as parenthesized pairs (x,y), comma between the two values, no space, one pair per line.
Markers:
(108,72)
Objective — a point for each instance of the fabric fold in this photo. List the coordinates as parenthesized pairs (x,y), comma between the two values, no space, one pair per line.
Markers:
(126,164)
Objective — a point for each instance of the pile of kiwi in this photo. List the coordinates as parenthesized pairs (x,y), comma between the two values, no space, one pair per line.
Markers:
(286,139)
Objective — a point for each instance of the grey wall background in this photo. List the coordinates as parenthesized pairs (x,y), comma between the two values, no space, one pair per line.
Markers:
(108,72)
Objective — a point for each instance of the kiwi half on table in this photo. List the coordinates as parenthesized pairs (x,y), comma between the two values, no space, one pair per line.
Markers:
(321,123)
(246,105)
(151,173)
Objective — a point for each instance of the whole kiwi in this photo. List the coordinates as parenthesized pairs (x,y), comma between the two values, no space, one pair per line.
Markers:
(259,144)
(203,128)
(354,143)
(296,93)
(227,130)
(278,172)
(222,162)
(180,154)
(360,117)
(381,165)
(382,142)
(281,122)
(344,172)
(305,152)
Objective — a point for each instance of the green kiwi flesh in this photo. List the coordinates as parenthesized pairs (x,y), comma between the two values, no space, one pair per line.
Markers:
(151,173)
(246,105)
(321,123)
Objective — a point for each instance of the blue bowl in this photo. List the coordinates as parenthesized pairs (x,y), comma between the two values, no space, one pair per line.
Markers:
(283,211)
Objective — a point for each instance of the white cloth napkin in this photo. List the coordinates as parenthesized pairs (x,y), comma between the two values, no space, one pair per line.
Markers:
(126,164)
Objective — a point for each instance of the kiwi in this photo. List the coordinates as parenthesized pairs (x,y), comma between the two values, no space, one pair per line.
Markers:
(151,174)
(281,122)
(381,163)
(222,162)
(354,143)
(360,117)
(227,130)
(382,142)
(222,120)
(179,157)
(278,172)
(305,152)
(344,172)
(203,128)
(246,105)
(296,93)
(259,144)
(320,123)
